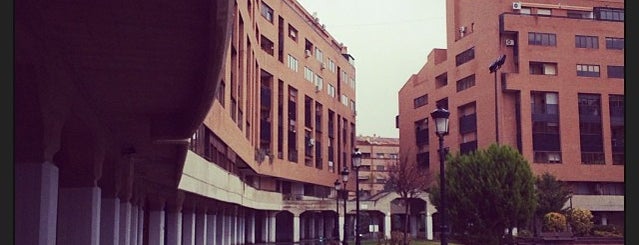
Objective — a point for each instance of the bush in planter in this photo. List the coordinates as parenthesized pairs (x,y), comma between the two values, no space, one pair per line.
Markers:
(581,221)
(524,234)
(606,231)
(554,222)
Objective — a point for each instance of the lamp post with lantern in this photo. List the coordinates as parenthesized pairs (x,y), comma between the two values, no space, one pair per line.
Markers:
(357,162)
(440,115)
(345,174)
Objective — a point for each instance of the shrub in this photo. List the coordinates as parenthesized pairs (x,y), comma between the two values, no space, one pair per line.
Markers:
(554,222)
(397,238)
(606,231)
(606,234)
(524,234)
(581,221)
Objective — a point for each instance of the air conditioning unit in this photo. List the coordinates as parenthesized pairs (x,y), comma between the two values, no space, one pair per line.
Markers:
(322,66)
(311,142)
(318,88)
(462,29)
(510,42)
(308,53)
(516,5)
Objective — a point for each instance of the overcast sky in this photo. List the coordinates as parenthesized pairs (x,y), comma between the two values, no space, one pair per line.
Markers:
(390,41)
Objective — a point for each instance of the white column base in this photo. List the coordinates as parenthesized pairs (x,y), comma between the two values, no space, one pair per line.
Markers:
(110,221)
(79,216)
(188,228)
(36,203)
(174,228)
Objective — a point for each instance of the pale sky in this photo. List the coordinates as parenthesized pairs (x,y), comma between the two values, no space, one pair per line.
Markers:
(390,41)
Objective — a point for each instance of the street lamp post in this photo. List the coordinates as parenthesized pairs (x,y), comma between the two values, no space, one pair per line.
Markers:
(440,115)
(345,173)
(357,161)
(494,67)
(338,188)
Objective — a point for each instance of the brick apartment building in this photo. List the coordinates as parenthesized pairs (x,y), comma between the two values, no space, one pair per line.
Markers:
(378,155)
(283,121)
(558,98)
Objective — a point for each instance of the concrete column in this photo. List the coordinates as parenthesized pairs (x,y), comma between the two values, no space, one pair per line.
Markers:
(79,215)
(296,227)
(387,225)
(110,221)
(36,203)
(229,228)
(129,231)
(240,226)
(341,228)
(604,219)
(200,227)
(156,224)
(272,218)
(321,225)
(174,227)
(265,224)
(302,227)
(188,227)
(211,233)
(250,228)
(429,226)
(141,214)
(220,236)
(313,227)
(413,225)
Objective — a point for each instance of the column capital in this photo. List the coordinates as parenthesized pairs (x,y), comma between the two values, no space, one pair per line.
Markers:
(156,202)
(175,202)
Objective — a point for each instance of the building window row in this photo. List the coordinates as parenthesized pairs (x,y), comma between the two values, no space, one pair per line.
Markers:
(586,42)
(542,39)
(267,12)
(587,70)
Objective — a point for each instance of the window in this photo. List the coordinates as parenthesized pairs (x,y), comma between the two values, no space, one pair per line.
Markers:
(380,155)
(292,32)
(394,156)
(441,80)
(421,132)
(267,12)
(614,43)
(319,82)
(544,12)
(308,48)
(542,68)
(267,45)
(292,63)
(466,83)
(465,56)
(420,101)
(380,167)
(542,39)
(319,56)
(586,42)
(220,93)
(615,72)
(331,90)
(576,14)
(617,128)
(331,65)
(344,100)
(524,10)
(609,14)
(308,74)
(584,70)
(590,129)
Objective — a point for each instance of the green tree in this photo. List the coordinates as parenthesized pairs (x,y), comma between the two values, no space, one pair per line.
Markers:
(552,195)
(409,181)
(487,191)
